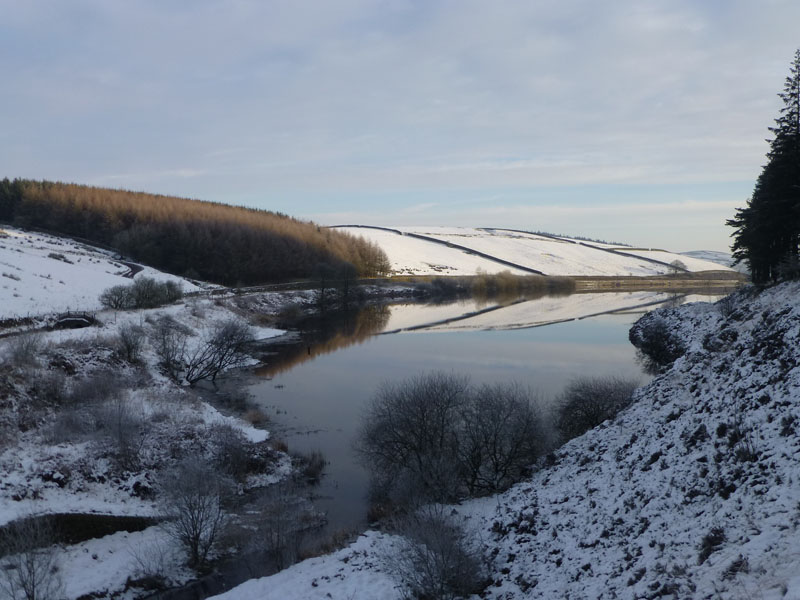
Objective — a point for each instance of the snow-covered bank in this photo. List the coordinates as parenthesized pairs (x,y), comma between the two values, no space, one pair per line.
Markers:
(692,492)
(88,428)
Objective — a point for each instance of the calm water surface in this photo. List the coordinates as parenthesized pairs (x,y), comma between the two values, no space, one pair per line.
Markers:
(317,399)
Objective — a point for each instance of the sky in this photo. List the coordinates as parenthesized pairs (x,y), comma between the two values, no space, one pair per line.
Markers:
(637,121)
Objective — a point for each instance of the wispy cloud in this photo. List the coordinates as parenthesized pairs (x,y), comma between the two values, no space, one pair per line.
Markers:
(312,100)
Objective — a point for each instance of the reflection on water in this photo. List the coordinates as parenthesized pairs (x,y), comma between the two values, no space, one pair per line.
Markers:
(326,335)
(337,331)
(317,395)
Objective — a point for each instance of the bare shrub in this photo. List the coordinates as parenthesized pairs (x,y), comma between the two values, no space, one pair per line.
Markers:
(29,565)
(311,465)
(230,451)
(588,401)
(434,561)
(285,520)
(122,429)
(408,436)
(154,561)
(69,425)
(727,305)
(100,385)
(50,387)
(23,350)
(437,438)
(117,297)
(658,347)
(130,341)
(169,340)
(501,437)
(225,346)
(144,292)
(191,495)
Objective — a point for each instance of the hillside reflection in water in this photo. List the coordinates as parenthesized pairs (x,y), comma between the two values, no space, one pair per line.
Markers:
(315,391)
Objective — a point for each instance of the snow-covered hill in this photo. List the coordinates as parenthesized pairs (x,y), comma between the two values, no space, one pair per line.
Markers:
(465,251)
(692,492)
(722,258)
(42,274)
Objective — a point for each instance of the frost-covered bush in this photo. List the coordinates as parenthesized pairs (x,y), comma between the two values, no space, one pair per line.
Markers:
(588,401)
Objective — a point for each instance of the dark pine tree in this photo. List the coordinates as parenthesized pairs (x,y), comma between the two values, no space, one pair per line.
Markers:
(767,230)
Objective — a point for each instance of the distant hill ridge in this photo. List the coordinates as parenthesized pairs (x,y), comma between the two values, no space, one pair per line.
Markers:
(215,242)
(441,250)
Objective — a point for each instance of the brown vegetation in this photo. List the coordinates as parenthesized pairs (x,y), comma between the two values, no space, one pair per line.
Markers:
(207,240)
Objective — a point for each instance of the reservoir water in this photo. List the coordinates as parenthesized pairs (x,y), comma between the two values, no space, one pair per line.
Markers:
(315,391)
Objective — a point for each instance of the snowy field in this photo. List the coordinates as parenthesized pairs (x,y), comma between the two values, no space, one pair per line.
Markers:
(692,492)
(552,256)
(43,274)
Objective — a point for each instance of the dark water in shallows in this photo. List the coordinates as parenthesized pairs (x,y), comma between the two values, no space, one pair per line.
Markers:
(316,403)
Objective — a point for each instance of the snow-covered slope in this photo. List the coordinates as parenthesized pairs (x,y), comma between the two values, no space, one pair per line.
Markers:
(722,258)
(692,492)
(465,251)
(42,274)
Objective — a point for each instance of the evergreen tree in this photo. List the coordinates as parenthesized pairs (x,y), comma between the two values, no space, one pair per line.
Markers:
(768,228)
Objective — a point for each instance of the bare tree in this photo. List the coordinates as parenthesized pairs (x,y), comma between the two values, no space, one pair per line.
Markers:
(144,292)
(169,340)
(117,297)
(501,437)
(409,434)
(324,278)
(225,346)
(29,560)
(587,402)
(192,494)
(676,267)
(437,438)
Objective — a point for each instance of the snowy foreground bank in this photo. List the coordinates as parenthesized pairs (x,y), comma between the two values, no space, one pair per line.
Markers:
(693,492)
